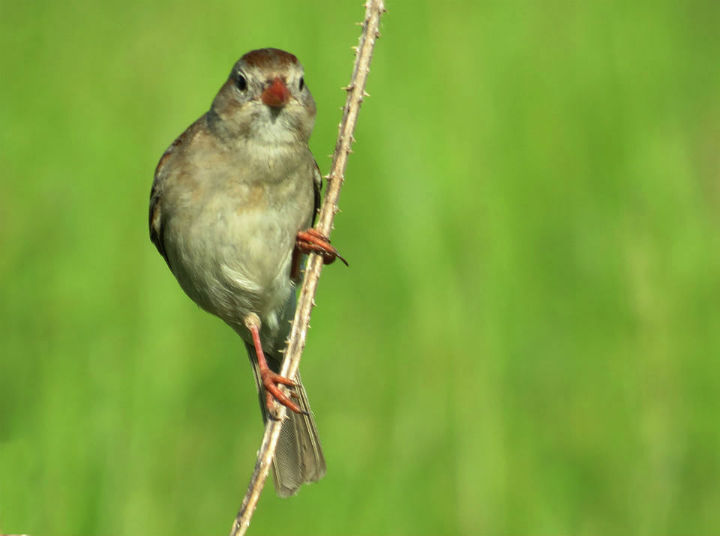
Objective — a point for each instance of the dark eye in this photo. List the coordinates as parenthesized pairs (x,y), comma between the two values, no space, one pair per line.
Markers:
(241,83)
(302,83)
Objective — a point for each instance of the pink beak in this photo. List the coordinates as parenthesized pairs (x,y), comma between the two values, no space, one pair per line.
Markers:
(276,95)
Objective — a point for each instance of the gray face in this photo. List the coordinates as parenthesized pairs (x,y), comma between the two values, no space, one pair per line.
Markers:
(266,99)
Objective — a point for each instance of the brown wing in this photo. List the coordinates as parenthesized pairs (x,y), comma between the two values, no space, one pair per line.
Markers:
(156,220)
(317,187)
(161,176)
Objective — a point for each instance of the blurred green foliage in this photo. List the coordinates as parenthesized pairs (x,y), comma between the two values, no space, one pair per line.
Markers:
(526,342)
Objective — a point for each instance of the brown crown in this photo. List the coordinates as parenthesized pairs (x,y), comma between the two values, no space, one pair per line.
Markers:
(267,57)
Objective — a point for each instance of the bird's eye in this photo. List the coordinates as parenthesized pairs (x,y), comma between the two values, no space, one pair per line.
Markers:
(241,83)
(302,83)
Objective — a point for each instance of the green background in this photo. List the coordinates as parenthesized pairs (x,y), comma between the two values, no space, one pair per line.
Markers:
(527,339)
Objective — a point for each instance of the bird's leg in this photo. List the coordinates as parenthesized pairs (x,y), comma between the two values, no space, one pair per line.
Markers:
(312,241)
(270,379)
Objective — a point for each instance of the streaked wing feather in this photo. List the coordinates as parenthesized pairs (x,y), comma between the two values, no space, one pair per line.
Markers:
(317,187)
(162,175)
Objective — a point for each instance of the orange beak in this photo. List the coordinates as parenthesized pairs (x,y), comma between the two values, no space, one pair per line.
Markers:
(276,95)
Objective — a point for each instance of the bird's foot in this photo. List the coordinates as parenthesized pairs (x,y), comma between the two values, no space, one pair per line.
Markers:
(313,241)
(270,381)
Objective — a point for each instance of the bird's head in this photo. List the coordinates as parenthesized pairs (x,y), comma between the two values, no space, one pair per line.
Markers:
(266,99)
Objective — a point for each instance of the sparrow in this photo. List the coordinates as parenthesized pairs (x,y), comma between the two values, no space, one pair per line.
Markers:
(231,209)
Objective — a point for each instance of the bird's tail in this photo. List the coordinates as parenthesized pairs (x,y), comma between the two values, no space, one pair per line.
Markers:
(298,457)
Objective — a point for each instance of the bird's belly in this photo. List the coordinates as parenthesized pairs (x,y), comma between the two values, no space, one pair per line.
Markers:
(233,262)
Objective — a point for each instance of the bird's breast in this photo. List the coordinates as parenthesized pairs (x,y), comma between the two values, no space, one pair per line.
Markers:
(230,242)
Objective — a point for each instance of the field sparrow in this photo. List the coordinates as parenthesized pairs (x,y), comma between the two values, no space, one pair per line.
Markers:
(230,210)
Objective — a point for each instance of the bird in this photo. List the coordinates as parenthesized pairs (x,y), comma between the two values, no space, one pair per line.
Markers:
(232,206)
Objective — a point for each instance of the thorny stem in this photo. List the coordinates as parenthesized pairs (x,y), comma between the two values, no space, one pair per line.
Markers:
(296,342)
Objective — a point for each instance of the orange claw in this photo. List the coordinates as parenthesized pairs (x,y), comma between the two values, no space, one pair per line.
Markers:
(313,241)
(270,379)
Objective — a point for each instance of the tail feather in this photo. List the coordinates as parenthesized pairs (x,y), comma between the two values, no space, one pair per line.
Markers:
(298,457)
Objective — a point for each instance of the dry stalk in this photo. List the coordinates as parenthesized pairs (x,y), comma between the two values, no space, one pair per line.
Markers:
(296,342)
